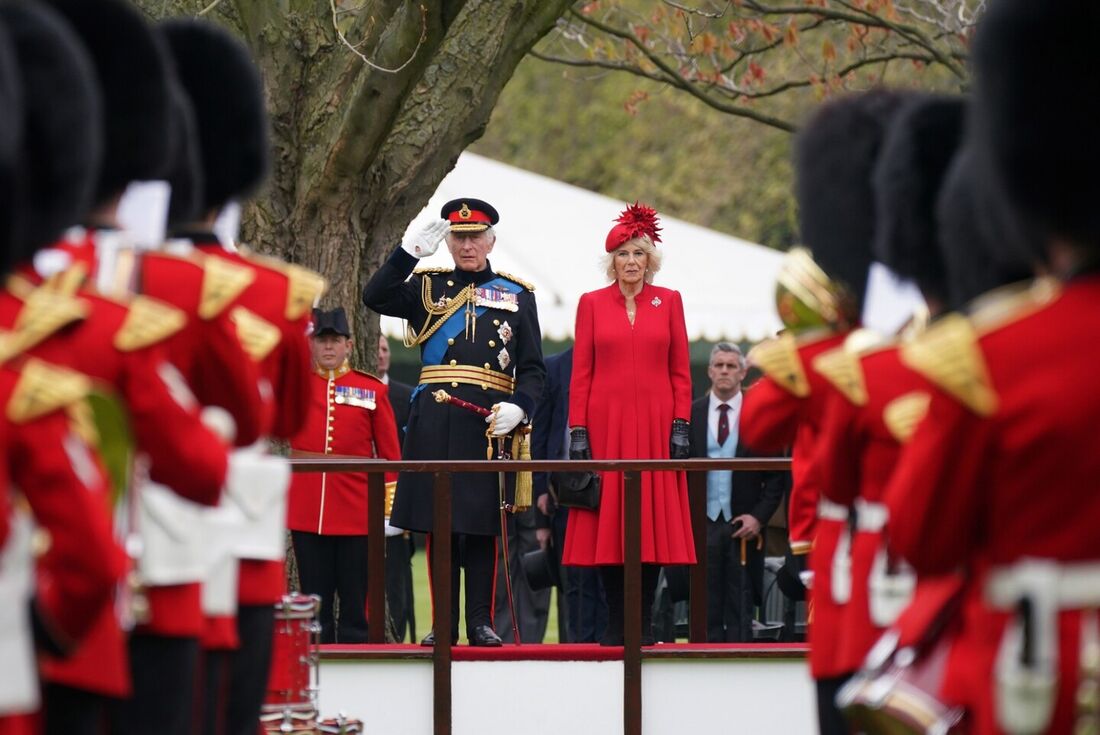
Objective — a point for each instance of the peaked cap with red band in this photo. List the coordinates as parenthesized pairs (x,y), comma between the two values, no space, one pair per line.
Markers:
(469,215)
(637,220)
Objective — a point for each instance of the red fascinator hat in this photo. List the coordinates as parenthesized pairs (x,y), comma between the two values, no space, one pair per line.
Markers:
(637,220)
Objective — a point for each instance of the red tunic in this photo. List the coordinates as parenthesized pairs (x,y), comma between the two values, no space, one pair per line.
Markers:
(629,383)
(878,404)
(282,296)
(1005,468)
(785,408)
(349,413)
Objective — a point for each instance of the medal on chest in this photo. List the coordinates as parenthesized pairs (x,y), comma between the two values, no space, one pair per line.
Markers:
(347,395)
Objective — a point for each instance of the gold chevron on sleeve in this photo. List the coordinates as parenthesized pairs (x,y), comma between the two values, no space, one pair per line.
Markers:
(258,336)
(947,353)
(148,322)
(779,359)
(222,282)
(43,388)
(903,414)
(44,312)
(303,291)
(842,368)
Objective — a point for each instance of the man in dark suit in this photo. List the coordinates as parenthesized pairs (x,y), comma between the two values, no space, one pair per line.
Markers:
(399,545)
(739,504)
(583,591)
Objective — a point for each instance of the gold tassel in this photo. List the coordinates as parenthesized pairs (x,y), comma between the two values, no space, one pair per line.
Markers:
(521,449)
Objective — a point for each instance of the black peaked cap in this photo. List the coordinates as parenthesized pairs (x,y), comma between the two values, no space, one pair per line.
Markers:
(227,97)
(334,322)
(915,157)
(132,68)
(835,155)
(62,134)
(1036,113)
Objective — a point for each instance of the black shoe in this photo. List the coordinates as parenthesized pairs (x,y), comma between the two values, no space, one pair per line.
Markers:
(483,635)
(429,640)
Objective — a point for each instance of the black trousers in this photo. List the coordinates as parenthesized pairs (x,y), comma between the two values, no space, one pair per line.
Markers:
(248,669)
(478,554)
(214,670)
(399,587)
(334,567)
(163,669)
(532,606)
(829,719)
(729,604)
(69,711)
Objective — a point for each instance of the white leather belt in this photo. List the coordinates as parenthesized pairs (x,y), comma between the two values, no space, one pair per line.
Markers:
(870,517)
(1067,585)
(830,511)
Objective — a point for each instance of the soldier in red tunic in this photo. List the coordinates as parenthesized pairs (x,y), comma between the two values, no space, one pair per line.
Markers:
(350,413)
(998,479)
(820,298)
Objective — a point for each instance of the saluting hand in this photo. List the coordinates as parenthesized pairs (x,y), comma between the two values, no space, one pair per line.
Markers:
(426,242)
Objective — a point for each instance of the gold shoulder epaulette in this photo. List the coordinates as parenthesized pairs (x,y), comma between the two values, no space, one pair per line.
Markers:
(147,322)
(904,413)
(422,271)
(222,281)
(779,359)
(527,285)
(43,388)
(947,353)
(257,335)
(1012,303)
(841,367)
(44,312)
(303,291)
(366,374)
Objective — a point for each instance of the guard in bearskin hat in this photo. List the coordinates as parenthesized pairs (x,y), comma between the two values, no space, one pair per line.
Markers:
(992,481)
(272,311)
(480,341)
(819,298)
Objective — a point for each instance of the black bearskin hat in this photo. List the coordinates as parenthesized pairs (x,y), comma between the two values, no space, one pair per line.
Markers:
(185,162)
(915,156)
(835,156)
(971,225)
(11,130)
(62,134)
(132,69)
(226,94)
(1034,116)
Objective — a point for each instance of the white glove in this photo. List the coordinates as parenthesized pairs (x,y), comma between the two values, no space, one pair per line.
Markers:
(505,417)
(426,242)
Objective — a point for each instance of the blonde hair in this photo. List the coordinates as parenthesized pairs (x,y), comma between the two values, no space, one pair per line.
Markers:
(653,258)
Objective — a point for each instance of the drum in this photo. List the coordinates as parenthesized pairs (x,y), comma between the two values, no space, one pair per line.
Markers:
(292,683)
(340,726)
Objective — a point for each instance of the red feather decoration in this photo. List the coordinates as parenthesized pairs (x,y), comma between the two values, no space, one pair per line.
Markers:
(640,220)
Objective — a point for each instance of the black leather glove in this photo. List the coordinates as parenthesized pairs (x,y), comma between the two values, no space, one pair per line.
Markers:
(579,447)
(679,444)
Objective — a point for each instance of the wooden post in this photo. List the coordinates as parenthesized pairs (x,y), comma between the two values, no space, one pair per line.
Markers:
(697,496)
(376,557)
(441,602)
(632,603)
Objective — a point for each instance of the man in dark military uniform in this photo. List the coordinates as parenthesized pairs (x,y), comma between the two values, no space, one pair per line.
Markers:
(480,341)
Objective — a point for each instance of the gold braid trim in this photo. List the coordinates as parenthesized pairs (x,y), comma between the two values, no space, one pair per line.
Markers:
(414,338)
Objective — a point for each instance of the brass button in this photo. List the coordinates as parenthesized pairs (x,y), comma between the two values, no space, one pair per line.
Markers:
(331,419)
(328,451)
(450,283)
(450,341)
(487,366)
(454,385)
(454,362)
(485,386)
(492,343)
(496,322)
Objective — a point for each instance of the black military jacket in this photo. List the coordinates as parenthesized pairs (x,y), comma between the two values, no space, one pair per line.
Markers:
(505,338)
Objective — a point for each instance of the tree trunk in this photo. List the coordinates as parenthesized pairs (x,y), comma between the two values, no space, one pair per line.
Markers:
(359,148)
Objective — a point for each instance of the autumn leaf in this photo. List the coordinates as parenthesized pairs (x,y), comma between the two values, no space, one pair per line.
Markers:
(642,32)
(791,37)
(756,71)
(706,42)
(828,50)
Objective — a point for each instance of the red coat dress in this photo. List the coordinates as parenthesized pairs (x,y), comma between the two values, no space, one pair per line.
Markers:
(349,413)
(783,409)
(1005,468)
(629,383)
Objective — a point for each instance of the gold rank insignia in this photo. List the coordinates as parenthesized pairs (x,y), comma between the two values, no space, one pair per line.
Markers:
(947,353)
(841,367)
(779,359)
(903,414)
(43,388)
(464,213)
(44,312)
(304,290)
(222,282)
(526,284)
(257,335)
(148,321)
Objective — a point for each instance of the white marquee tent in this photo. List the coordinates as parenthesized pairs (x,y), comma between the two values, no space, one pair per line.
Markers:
(552,235)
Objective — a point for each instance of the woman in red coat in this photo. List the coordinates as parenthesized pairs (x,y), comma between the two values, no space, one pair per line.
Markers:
(630,398)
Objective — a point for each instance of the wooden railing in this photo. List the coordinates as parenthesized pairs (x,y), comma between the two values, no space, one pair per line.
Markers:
(441,552)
